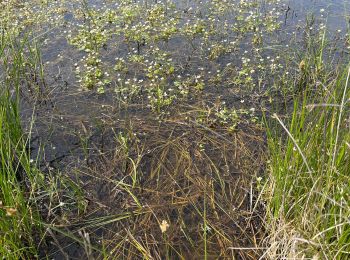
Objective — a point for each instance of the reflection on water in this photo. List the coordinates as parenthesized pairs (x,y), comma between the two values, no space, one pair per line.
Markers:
(335,12)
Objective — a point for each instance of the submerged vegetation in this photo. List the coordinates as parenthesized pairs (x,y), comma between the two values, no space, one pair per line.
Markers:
(173,130)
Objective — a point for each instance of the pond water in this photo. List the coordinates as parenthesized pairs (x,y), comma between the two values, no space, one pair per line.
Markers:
(66,102)
(121,73)
(336,12)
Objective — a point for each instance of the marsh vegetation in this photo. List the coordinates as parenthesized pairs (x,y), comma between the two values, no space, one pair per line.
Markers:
(174,129)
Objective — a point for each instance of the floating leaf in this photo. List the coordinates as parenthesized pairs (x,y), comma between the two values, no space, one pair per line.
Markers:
(11,212)
(164,226)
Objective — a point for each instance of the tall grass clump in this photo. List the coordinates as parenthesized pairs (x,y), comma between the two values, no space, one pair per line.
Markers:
(18,178)
(310,173)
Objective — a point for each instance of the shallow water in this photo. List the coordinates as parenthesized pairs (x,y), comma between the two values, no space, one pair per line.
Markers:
(61,57)
(67,110)
(74,126)
(334,12)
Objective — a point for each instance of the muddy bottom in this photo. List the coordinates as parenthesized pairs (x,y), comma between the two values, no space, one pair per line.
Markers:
(121,180)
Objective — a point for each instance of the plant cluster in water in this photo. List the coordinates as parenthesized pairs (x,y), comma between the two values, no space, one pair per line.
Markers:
(165,50)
